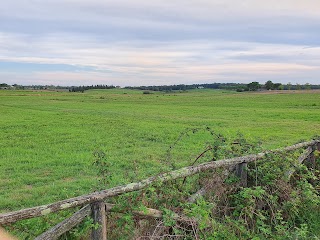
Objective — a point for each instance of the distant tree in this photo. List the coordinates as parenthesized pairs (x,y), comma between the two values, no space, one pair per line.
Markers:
(84,88)
(277,86)
(269,85)
(18,87)
(298,86)
(289,85)
(253,86)
(307,86)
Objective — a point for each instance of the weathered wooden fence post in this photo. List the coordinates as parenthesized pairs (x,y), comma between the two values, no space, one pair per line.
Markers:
(99,231)
(241,172)
(311,159)
(317,147)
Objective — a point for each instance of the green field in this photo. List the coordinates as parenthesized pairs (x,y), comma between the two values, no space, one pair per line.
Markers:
(47,139)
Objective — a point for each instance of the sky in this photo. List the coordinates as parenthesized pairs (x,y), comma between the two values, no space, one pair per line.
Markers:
(159,42)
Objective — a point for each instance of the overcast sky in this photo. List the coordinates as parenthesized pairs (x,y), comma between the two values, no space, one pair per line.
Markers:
(157,42)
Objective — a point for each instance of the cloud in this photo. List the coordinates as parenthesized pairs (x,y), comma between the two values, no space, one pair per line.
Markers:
(247,20)
(157,9)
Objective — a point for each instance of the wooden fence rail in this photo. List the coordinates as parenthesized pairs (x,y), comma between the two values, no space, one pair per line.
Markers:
(95,201)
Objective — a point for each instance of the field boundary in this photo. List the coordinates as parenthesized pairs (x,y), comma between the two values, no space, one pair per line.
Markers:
(93,204)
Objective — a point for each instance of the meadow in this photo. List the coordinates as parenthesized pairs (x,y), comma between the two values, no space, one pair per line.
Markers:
(48,139)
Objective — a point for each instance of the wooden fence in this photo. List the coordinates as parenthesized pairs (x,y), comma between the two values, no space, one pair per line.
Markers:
(93,204)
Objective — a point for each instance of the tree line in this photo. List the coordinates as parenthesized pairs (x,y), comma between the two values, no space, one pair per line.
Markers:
(239,87)
(84,88)
(269,85)
(184,87)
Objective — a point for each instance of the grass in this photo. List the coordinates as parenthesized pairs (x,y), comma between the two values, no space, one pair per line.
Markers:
(47,139)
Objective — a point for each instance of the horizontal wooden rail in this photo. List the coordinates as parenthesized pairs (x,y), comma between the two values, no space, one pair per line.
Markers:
(66,225)
(150,212)
(101,195)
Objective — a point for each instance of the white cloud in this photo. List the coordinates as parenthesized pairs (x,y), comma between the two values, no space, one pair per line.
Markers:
(173,62)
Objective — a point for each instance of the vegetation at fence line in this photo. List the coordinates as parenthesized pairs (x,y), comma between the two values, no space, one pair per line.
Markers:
(48,139)
(274,205)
